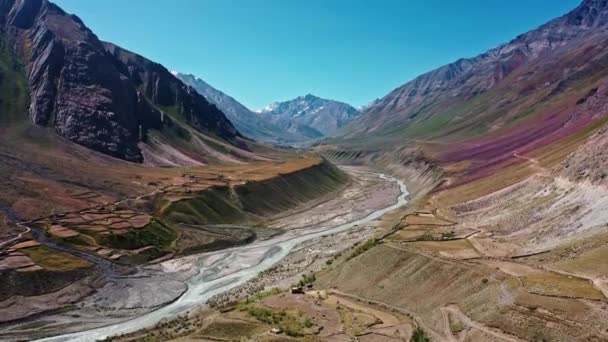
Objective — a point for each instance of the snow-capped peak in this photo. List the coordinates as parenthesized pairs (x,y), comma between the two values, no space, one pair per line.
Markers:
(268,108)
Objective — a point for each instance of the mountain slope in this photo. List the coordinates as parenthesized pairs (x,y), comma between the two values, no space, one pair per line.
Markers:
(485,93)
(483,112)
(99,95)
(513,142)
(246,121)
(309,115)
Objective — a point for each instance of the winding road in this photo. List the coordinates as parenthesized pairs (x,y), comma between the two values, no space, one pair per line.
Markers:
(222,270)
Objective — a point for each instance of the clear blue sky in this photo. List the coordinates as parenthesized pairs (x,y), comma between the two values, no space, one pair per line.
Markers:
(260,51)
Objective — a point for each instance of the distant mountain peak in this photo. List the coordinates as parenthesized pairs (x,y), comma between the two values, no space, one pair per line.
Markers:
(245,120)
(310,115)
(365,106)
(302,118)
(268,108)
(309,96)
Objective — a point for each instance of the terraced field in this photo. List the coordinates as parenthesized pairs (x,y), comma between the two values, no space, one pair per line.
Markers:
(314,235)
(101,245)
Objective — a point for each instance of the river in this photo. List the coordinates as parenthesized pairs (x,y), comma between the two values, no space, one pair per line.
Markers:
(222,270)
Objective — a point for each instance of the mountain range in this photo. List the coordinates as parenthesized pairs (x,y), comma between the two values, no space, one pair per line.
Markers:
(309,115)
(245,120)
(540,89)
(469,204)
(301,119)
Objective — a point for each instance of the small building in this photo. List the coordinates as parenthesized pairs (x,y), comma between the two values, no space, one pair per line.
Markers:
(297,290)
(276,331)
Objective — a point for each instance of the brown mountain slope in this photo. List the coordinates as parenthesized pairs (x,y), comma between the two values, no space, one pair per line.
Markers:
(499,88)
(539,93)
(510,242)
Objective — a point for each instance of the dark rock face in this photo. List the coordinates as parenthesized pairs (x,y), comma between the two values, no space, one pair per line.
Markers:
(167,91)
(85,93)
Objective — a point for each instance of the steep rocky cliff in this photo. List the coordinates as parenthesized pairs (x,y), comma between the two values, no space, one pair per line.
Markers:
(167,92)
(97,95)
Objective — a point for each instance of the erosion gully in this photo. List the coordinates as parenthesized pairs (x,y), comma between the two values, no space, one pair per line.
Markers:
(223,270)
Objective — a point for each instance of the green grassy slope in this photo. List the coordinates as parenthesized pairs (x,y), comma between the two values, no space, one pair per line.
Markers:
(250,201)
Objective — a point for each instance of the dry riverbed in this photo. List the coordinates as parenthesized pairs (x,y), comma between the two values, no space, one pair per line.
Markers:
(367,194)
(237,269)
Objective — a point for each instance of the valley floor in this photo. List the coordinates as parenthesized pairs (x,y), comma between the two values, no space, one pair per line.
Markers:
(523,263)
(526,262)
(312,235)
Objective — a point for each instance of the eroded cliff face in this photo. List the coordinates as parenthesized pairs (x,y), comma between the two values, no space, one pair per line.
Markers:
(92,96)
(166,91)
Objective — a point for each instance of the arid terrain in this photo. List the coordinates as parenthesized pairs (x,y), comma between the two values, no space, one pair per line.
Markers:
(468,204)
(124,297)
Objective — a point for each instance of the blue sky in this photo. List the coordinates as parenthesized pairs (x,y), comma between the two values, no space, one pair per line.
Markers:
(260,51)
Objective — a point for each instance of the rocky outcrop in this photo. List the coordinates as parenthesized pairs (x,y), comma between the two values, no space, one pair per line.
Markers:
(167,92)
(589,162)
(591,13)
(88,95)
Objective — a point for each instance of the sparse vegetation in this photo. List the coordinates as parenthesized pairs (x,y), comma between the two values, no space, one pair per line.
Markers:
(307,279)
(346,320)
(426,237)
(222,204)
(419,336)
(259,296)
(80,239)
(229,330)
(367,245)
(177,132)
(54,260)
(456,327)
(561,285)
(447,235)
(13,87)
(291,324)
(156,233)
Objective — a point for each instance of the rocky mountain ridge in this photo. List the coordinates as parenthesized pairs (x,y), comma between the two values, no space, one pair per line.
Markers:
(245,120)
(94,93)
(304,118)
(516,64)
(309,115)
